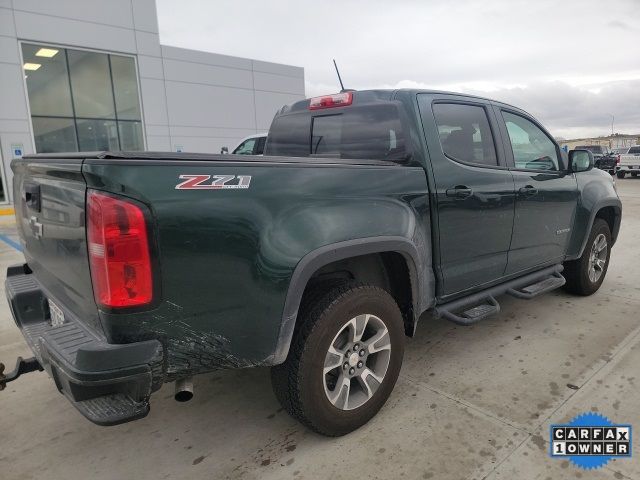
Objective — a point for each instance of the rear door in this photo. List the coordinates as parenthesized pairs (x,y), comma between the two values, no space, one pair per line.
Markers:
(474,191)
(49,196)
(546,193)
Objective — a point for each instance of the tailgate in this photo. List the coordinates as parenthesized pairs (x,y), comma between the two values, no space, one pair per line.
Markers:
(49,196)
(630,160)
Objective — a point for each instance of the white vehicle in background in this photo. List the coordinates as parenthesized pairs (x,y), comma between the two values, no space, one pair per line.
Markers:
(251,145)
(628,161)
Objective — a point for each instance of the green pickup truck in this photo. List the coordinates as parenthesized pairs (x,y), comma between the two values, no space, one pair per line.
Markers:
(369,211)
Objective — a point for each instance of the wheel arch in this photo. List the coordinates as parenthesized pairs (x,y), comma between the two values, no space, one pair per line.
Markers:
(418,269)
(611,212)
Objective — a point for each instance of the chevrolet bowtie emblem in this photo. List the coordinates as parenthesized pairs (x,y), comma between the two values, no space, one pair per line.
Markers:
(36,227)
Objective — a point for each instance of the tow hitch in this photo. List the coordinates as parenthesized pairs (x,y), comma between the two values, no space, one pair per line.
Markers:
(22,366)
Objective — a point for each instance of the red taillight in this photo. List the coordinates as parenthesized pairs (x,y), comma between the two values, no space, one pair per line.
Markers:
(118,252)
(330,101)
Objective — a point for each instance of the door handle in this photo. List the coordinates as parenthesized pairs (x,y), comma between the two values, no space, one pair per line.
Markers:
(528,191)
(459,191)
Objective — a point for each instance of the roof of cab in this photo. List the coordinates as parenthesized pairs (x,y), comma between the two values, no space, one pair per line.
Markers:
(388,94)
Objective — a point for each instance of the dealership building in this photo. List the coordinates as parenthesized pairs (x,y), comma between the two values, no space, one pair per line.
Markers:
(86,75)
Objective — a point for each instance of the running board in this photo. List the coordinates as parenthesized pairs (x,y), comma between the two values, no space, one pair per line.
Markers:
(478,306)
(535,289)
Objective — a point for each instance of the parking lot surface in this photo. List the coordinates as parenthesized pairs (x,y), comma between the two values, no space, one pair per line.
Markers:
(471,402)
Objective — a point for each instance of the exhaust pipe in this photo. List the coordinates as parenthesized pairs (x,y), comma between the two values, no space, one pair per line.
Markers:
(184,389)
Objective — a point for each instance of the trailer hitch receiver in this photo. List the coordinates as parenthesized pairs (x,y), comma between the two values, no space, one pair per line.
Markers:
(22,366)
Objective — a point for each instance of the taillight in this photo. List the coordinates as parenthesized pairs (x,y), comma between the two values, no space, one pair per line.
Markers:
(617,159)
(331,101)
(118,251)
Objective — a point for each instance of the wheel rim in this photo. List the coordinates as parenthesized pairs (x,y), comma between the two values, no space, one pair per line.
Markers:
(356,362)
(598,258)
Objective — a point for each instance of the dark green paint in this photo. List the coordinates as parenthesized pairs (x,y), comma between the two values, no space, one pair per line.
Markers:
(226,257)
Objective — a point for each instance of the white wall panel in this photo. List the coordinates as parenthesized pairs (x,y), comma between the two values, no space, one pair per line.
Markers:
(208,74)
(145,16)
(14,126)
(278,69)
(277,83)
(153,101)
(157,130)
(204,144)
(148,43)
(158,144)
(268,103)
(111,12)
(6,140)
(43,28)
(9,50)
(12,95)
(150,67)
(6,22)
(207,58)
(209,106)
(211,132)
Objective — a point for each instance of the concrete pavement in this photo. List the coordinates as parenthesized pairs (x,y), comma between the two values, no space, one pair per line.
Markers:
(471,403)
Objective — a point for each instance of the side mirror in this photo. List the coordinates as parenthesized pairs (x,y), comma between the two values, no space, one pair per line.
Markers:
(224,150)
(580,160)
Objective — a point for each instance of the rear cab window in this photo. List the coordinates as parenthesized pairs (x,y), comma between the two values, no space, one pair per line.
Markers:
(368,131)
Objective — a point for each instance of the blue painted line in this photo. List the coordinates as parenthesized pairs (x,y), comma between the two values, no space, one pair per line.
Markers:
(11,243)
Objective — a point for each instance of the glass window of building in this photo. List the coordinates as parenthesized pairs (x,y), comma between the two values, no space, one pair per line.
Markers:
(81,100)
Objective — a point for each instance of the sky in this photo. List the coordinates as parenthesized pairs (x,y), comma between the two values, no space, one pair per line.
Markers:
(573,64)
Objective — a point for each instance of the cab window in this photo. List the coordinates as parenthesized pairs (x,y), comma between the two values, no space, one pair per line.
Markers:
(356,132)
(246,147)
(465,134)
(260,146)
(532,148)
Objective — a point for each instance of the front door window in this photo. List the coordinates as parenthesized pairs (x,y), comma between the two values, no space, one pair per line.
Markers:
(532,148)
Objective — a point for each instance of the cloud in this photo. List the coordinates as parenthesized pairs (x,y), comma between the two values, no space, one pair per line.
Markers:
(569,111)
(570,63)
(619,24)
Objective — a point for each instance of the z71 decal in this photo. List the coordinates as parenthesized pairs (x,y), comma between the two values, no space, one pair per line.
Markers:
(213,182)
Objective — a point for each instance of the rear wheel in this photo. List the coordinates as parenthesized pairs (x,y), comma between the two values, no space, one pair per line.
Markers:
(621,174)
(634,174)
(344,359)
(586,274)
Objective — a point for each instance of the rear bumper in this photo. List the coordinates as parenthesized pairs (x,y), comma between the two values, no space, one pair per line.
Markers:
(109,384)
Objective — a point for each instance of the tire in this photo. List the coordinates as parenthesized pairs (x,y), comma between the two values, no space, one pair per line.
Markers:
(327,320)
(634,174)
(577,272)
(621,174)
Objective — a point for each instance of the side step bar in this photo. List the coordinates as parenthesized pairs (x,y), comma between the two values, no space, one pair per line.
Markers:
(478,306)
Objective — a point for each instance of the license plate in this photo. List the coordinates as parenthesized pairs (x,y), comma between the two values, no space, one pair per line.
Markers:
(56,313)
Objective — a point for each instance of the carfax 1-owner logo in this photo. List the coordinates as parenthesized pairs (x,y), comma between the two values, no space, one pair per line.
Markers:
(590,440)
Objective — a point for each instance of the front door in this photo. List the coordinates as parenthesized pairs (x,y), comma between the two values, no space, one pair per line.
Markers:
(546,194)
(474,192)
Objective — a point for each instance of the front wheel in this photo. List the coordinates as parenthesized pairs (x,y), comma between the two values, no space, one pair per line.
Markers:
(344,359)
(586,274)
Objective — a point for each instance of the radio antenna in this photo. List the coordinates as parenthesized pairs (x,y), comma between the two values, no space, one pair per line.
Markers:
(338,72)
